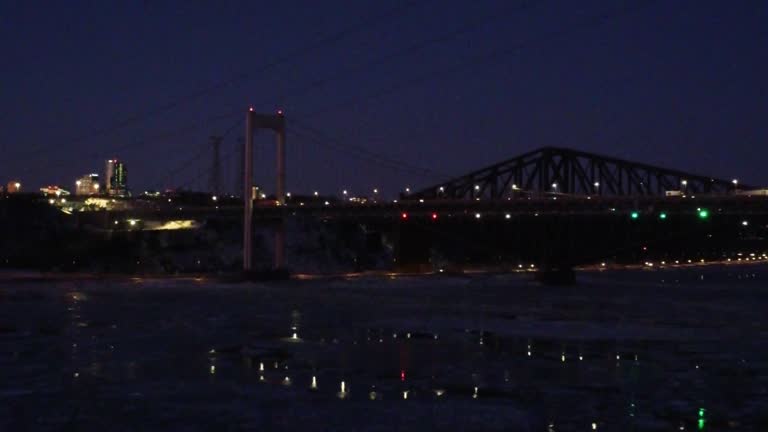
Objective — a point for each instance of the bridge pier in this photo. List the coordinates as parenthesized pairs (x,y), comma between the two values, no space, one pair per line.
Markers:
(412,247)
(557,242)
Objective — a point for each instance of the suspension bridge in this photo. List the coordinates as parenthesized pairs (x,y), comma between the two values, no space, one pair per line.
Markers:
(556,207)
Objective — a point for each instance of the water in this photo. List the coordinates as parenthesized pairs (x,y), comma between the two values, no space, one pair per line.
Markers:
(645,350)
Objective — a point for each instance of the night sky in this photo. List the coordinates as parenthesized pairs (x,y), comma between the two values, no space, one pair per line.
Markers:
(379,94)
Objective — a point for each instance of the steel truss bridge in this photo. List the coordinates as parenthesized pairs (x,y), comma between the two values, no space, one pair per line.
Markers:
(554,170)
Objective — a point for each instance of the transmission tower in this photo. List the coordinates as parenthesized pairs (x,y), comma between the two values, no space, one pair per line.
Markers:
(215,180)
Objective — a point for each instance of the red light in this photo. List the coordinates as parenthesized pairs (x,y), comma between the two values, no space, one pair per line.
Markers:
(434,216)
(250,109)
(404,215)
(280,112)
(402,375)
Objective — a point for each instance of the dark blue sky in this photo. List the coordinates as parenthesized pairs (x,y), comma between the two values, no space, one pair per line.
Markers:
(438,85)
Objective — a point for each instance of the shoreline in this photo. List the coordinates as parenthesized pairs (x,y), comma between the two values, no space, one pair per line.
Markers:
(29,276)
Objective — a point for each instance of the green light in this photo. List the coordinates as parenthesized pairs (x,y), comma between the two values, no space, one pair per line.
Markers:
(703,214)
(701,412)
(662,215)
(701,424)
(634,215)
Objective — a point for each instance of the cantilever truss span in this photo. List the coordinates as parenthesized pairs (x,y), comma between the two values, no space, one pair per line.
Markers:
(552,170)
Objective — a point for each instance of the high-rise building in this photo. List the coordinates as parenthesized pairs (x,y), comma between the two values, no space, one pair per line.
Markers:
(115,178)
(88,185)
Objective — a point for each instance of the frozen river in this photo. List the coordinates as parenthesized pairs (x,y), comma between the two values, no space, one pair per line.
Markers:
(621,351)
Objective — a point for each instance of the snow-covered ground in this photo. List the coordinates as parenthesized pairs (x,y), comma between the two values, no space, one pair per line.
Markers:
(620,351)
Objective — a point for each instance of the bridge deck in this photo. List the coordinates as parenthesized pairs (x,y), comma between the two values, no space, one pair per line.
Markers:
(563,205)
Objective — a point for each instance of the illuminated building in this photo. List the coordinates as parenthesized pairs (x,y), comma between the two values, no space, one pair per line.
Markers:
(87,185)
(13,187)
(51,191)
(116,178)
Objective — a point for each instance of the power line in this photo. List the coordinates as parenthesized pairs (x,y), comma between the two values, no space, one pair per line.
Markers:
(166,135)
(188,162)
(362,25)
(365,154)
(465,29)
(483,59)
(413,48)
(320,138)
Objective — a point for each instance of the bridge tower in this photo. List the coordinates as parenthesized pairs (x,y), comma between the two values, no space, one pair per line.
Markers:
(276,123)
